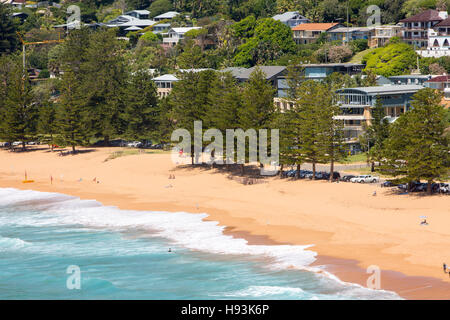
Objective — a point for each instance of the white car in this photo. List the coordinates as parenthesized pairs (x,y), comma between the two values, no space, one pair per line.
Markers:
(365,179)
(444,188)
(134,144)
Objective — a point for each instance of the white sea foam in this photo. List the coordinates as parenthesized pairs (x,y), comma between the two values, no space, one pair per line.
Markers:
(187,230)
(266,291)
(7,244)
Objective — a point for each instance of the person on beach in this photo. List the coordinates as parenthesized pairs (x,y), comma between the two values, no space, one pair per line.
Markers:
(445,267)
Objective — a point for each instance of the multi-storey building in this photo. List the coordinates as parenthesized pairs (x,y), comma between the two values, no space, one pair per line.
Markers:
(357,103)
(318,72)
(382,34)
(416,28)
(309,32)
(345,34)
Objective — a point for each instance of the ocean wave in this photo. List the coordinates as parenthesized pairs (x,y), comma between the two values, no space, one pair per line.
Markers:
(266,291)
(10,244)
(187,230)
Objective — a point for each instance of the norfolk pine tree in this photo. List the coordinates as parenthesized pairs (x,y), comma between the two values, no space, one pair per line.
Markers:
(257,104)
(417,146)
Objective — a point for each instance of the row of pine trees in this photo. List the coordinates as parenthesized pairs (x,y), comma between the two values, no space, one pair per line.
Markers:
(97,98)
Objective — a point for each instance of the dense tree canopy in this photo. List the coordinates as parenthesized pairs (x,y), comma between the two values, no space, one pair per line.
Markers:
(394,59)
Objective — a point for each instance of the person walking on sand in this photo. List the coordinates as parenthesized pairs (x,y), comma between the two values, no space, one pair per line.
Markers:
(445,267)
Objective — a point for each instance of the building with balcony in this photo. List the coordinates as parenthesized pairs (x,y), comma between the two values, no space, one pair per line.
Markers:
(439,40)
(345,34)
(175,35)
(164,84)
(419,79)
(316,71)
(357,103)
(382,34)
(416,28)
(309,32)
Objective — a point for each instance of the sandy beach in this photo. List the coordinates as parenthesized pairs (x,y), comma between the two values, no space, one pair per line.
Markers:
(349,227)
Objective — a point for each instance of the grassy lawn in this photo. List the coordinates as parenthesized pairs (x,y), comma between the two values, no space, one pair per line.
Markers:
(360,157)
(132,152)
(357,58)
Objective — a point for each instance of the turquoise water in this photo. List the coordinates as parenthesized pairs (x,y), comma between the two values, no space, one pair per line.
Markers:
(124,255)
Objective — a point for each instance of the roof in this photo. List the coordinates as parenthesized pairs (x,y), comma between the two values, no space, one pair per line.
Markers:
(405,88)
(314,26)
(244,73)
(162,25)
(139,11)
(443,23)
(137,22)
(440,79)
(184,29)
(411,76)
(284,17)
(167,15)
(133,28)
(346,65)
(427,15)
(166,77)
(352,29)
(194,70)
(237,72)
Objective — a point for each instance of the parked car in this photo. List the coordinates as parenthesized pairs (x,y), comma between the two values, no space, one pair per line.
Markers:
(388,184)
(134,144)
(347,178)
(414,186)
(444,188)
(365,179)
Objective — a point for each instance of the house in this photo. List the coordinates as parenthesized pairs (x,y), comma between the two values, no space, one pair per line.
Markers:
(318,72)
(175,35)
(356,106)
(139,14)
(382,34)
(410,79)
(161,27)
(129,23)
(441,83)
(439,40)
(309,32)
(164,84)
(291,18)
(345,34)
(243,74)
(166,16)
(416,28)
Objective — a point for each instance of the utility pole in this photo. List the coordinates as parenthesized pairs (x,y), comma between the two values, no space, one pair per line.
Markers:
(347,22)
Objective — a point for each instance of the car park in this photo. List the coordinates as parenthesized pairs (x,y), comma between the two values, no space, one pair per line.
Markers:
(134,144)
(388,184)
(365,179)
(347,178)
(444,188)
